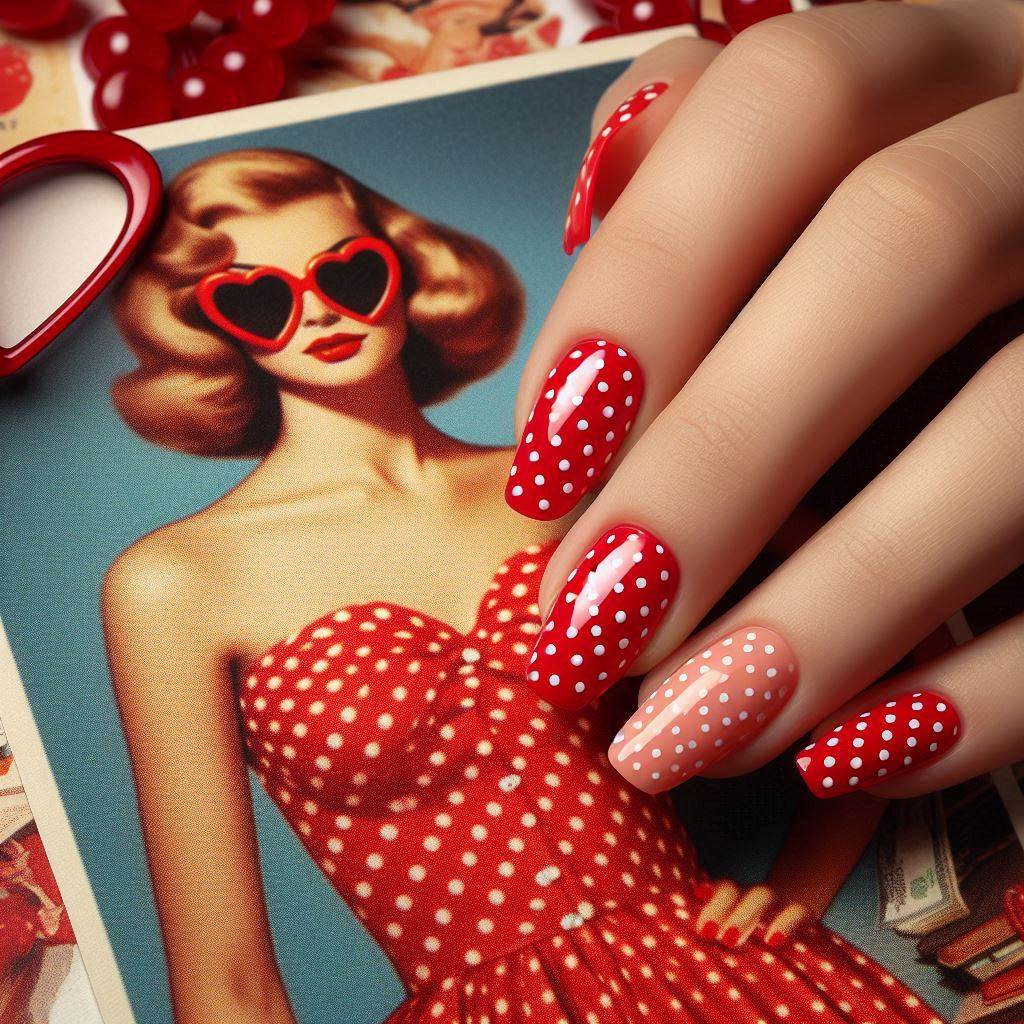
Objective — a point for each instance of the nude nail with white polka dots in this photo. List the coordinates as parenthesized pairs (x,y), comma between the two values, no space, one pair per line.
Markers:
(584,412)
(715,702)
(899,736)
(605,615)
(581,203)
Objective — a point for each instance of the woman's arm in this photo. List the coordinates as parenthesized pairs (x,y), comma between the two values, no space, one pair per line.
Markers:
(174,688)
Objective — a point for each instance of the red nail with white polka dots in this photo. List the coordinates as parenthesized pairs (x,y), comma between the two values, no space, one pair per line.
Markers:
(900,736)
(584,412)
(581,205)
(605,615)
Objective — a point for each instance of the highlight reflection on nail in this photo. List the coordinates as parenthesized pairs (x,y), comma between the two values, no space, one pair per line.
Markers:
(717,701)
(899,736)
(581,205)
(605,615)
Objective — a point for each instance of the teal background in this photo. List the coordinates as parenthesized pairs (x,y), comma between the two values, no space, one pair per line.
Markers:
(79,487)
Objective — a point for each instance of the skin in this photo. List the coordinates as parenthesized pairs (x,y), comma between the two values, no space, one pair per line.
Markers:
(188,607)
(778,322)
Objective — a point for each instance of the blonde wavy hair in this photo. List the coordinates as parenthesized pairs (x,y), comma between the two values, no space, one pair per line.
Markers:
(196,391)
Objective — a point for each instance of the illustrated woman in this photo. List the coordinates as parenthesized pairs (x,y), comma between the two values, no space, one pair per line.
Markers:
(289,313)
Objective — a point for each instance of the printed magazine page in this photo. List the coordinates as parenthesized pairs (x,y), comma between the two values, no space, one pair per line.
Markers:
(288,743)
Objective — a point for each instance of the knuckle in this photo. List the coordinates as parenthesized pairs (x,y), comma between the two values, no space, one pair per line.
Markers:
(795,66)
(916,204)
(870,549)
(724,426)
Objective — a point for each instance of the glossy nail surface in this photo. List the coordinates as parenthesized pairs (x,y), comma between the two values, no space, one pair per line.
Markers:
(586,408)
(605,615)
(581,204)
(899,736)
(715,702)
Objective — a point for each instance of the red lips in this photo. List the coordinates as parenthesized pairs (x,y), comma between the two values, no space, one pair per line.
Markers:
(335,348)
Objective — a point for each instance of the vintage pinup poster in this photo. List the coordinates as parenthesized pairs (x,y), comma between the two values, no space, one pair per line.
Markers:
(270,616)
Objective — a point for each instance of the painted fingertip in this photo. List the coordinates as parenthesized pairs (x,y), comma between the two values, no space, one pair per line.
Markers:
(581,204)
(714,703)
(774,939)
(709,930)
(885,742)
(607,612)
(731,937)
(578,423)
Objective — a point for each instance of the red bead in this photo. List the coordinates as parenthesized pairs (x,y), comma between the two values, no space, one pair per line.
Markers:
(201,90)
(255,71)
(222,10)
(277,23)
(32,15)
(644,14)
(600,32)
(130,98)
(319,11)
(741,14)
(15,77)
(163,15)
(123,42)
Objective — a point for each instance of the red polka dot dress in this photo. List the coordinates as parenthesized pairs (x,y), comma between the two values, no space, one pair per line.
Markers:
(487,845)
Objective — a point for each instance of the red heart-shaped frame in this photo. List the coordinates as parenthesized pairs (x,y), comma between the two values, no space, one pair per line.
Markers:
(139,176)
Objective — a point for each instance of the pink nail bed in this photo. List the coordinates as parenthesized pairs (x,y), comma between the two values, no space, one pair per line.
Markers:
(718,700)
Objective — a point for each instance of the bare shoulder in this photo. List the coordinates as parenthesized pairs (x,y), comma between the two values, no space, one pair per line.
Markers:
(162,568)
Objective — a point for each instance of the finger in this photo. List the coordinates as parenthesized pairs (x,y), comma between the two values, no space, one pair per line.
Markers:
(932,727)
(717,909)
(793,104)
(784,924)
(619,146)
(939,526)
(745,915)
(915,247)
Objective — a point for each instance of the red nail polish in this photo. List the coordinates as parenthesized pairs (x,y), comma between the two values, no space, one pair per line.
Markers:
(731,936)
(704,891)
(775,939)
(604,616)
(580,420)
(900,736)
(581,205)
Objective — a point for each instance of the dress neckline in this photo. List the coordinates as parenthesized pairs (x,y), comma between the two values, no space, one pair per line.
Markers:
(540,550)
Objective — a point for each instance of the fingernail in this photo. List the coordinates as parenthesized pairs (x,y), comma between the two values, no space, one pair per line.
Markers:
(899,736)
(731,936)
(579,422)
(704,891)
(717,701)
(604,616)
(581,205)
(709,930)
(775,939)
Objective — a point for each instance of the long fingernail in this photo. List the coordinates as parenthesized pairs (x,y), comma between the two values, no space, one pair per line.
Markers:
(579,422)
(604,616)
(709,930)
(717,701)
(899,736)
(775,939)
(731,936)
(581,204)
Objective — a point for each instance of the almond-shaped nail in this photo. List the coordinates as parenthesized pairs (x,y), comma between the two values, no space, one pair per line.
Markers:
(583,414)
(899,736)
(581,203)
(717,701)
(604,616)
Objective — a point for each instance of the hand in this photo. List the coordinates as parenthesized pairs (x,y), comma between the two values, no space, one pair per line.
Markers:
(798,226)
(732,915)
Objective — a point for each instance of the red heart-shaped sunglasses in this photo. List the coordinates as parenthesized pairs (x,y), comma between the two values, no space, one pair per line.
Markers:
(262,306)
